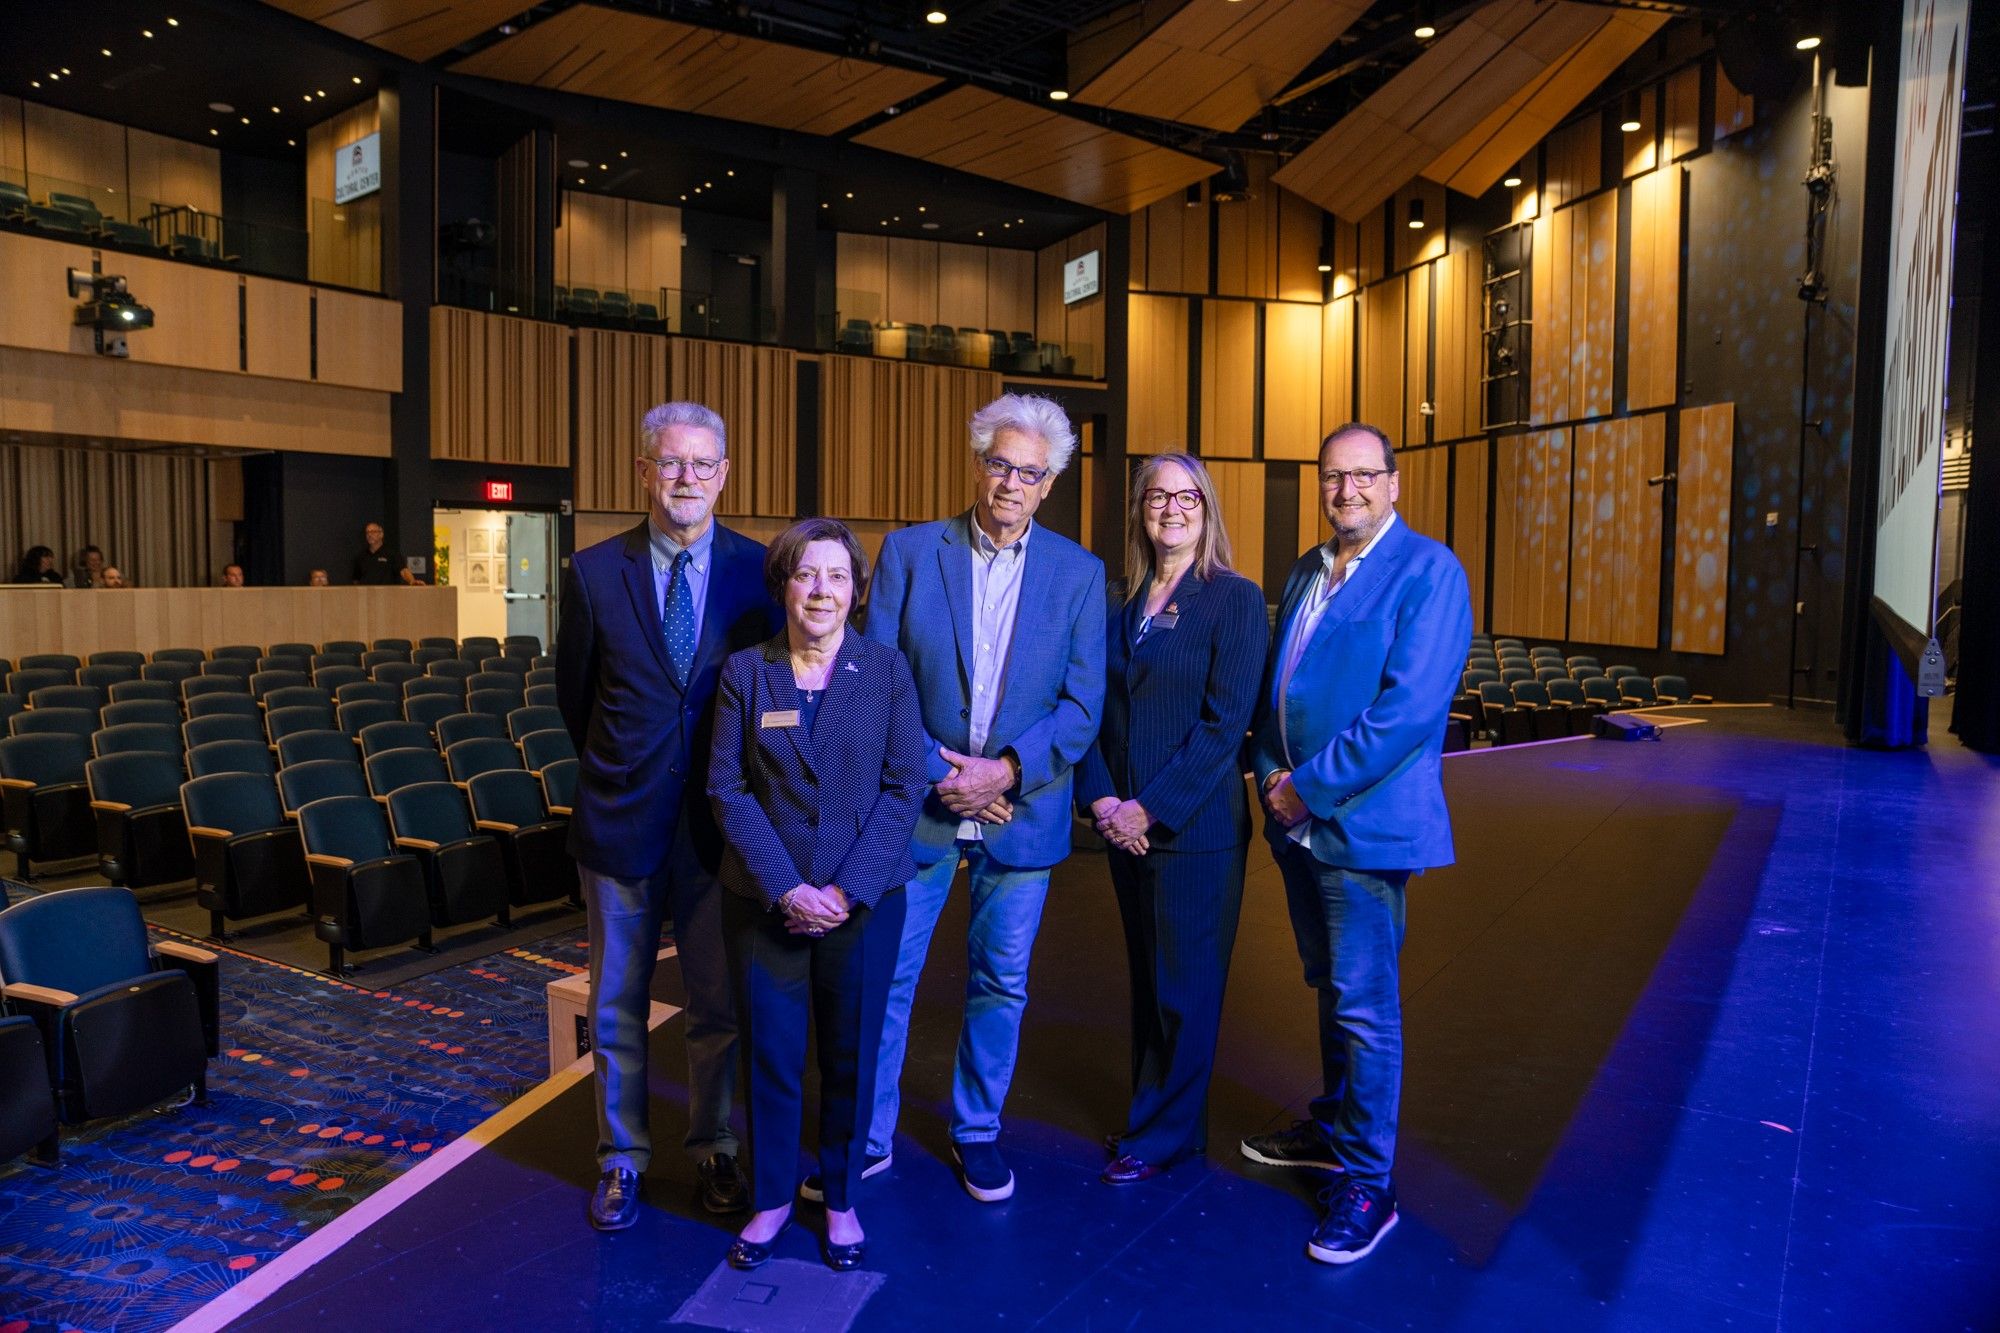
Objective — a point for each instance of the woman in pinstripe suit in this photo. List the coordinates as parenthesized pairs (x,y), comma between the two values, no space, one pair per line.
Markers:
(817,775)
(1185,640)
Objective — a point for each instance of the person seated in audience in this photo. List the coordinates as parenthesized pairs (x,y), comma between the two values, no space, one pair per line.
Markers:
(38,565)
(318,579)
(232,575)
(378,565)
(87,570)
(112,578)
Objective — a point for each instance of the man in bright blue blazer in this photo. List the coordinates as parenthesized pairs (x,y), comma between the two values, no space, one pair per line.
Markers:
(648,618)
(1346,746)
(1003,625)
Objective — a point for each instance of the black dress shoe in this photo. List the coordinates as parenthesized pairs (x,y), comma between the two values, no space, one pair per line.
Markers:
(723,1189)
(615,1205)
(1129,1170)
(747,1254)
(842,1258)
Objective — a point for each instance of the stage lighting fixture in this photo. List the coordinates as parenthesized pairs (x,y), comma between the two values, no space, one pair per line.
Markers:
(1807,44)
(1416,218)
(1628,115)
(1512,182)
(936,16)
(109,310)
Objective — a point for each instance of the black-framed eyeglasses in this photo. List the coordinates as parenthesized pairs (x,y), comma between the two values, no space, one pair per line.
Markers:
(1363,477)
(671,469)
(998,468)
(1156,498)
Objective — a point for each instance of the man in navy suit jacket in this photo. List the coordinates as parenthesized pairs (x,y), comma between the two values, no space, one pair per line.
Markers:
(647,619)
(1346,747)
(1003,625)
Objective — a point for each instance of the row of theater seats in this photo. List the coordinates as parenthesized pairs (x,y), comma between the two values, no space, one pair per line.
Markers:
(100,1020)
(76,217)
(1017,352)
(1512,693)
(470,789)
(613,309)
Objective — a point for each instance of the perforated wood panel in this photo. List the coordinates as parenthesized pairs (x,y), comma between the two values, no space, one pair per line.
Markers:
(1701,528)
(1531,535)
(1470,465)
(1156,374)
(1652,342)
(415,29)
(499,389)
(1575,294)
(1228,379)
(893,437)
(1292,362)
(1425,480)
(1614,591)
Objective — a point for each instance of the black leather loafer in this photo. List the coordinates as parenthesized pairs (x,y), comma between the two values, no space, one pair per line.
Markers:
(723,1189)
(747,1254)
(615,1205)
(843,1258)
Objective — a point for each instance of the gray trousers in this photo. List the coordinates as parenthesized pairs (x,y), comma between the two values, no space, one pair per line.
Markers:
(625,919)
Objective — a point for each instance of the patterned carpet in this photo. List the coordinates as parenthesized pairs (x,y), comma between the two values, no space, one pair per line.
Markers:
(324,1093)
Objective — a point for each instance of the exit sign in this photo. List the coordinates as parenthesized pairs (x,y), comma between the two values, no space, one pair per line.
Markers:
(501,492)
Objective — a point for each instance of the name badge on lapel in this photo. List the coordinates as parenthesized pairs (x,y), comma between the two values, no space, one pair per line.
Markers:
(1168,618)
(780,717)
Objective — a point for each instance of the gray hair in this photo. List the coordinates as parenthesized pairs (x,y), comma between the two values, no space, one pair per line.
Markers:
(1030,414)
(682,414)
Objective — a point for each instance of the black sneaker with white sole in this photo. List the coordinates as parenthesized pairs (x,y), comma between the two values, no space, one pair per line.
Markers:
(1303,1145)
(813,1190)
(1357,1217)
(983,1171)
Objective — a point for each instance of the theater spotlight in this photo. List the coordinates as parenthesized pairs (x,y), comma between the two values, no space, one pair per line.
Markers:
(109,309)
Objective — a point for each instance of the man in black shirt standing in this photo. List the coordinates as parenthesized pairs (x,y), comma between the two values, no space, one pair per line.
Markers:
(377,565)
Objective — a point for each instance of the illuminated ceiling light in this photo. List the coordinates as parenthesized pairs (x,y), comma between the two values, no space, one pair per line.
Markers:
(623,153)
(1425,32)
(106,51)
(34,83)
(246,120)
(1512,182)
(1628,120)
(1058,95)
(291,143)
(173,23)
(357,78)
(1022,221)
(885,222)
(936,16)
(222,108)
(309,97)
(604,166)
(850,194)
(1416,222)
(145,32)
(322,92)
(1325,267)
(274,111)
(922,209)
(708,185)
(980,233)
(217,133)
(684,198)
(730,172)
(1807,44)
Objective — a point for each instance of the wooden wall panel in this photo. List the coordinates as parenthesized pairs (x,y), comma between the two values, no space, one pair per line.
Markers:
(1175,245)
(1418,245)
(618,377)
(1531,535)
(1470,463)
(1424,477)
(931,282)
(1552,239)
(1246,237)
(961,286)
(1239,488)
(499,389)
(861,277)
(1457,360)
(894,442)
(1614,546)
(277,329)
(1734,110)
(1705,469)
(29,264)
(1594,296)
(610,244)
(54,393)
(1638,150)
(344,244)
(147,619)
(1415,426)
(913,279)
(68,149)
(1010,290)
(172,171)
(1313,528)
(1381,332)
(1681,132)
(360,341)
(1156,374)
(1301,232)
(1336,375)
(1228,379)
(1079,327)
(1652,346)
(1575,161)
(203,331)
(1292,362)
(13,139)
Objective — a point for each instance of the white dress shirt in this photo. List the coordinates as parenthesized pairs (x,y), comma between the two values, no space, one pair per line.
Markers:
(996,598)
(1312,608)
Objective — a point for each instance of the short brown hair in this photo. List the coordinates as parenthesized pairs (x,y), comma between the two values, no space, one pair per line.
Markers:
(1362,428)
(782,560)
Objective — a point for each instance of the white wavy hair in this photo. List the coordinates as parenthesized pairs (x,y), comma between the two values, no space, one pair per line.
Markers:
(681,414)
(1031,414)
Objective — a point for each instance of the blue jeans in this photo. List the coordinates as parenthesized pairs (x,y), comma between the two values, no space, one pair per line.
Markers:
(1006,913)
(1349,927)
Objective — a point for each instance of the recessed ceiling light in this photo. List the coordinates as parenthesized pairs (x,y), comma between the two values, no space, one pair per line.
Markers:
(850,194)
(980,233)
(623,153)
(291,143)
(106,51)
(936,16)
(1058,95)
(216,132)
(579,180)
(1512,182)
(1629,126)
(173,23)
(1326,268)
(921,208)
(708,185)
(274,111)
(885,222)
(1807,44)
(34,83)
(1022,221)
(684,198)
(246,120)
(826,205)
(222,108)
(730,172)
(604,166)
(1425,32)
(145,32)
(357,78)
(65,69)
(309,97)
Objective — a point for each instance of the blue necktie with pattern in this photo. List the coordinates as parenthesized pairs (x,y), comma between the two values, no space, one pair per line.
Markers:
(679,618)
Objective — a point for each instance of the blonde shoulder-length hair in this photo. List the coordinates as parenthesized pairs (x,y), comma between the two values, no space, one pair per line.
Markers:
(1211,549)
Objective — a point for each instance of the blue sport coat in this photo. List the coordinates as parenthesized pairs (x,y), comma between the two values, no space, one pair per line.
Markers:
(642,737)
(1367,706)
(834,805)
(1176,706)
(1053,686)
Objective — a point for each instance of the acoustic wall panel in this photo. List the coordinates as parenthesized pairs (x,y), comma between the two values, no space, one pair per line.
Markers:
(1614,590)
(1531,503)
(1701,528)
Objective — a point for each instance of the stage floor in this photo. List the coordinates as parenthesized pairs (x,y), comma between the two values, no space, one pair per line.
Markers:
(1700,1034)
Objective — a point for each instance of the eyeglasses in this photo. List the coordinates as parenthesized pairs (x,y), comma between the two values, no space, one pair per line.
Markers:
(1363,478)
(671,469)
(1157,499)
(998,468)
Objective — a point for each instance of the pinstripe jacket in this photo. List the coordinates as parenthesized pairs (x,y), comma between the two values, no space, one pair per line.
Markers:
(835,805)
(1176,706)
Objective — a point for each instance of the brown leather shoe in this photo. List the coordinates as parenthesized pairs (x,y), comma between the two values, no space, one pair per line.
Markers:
(1129,1170)
(723,1188)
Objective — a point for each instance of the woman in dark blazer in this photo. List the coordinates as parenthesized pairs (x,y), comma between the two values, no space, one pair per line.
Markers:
(818,773)
(1185,639)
